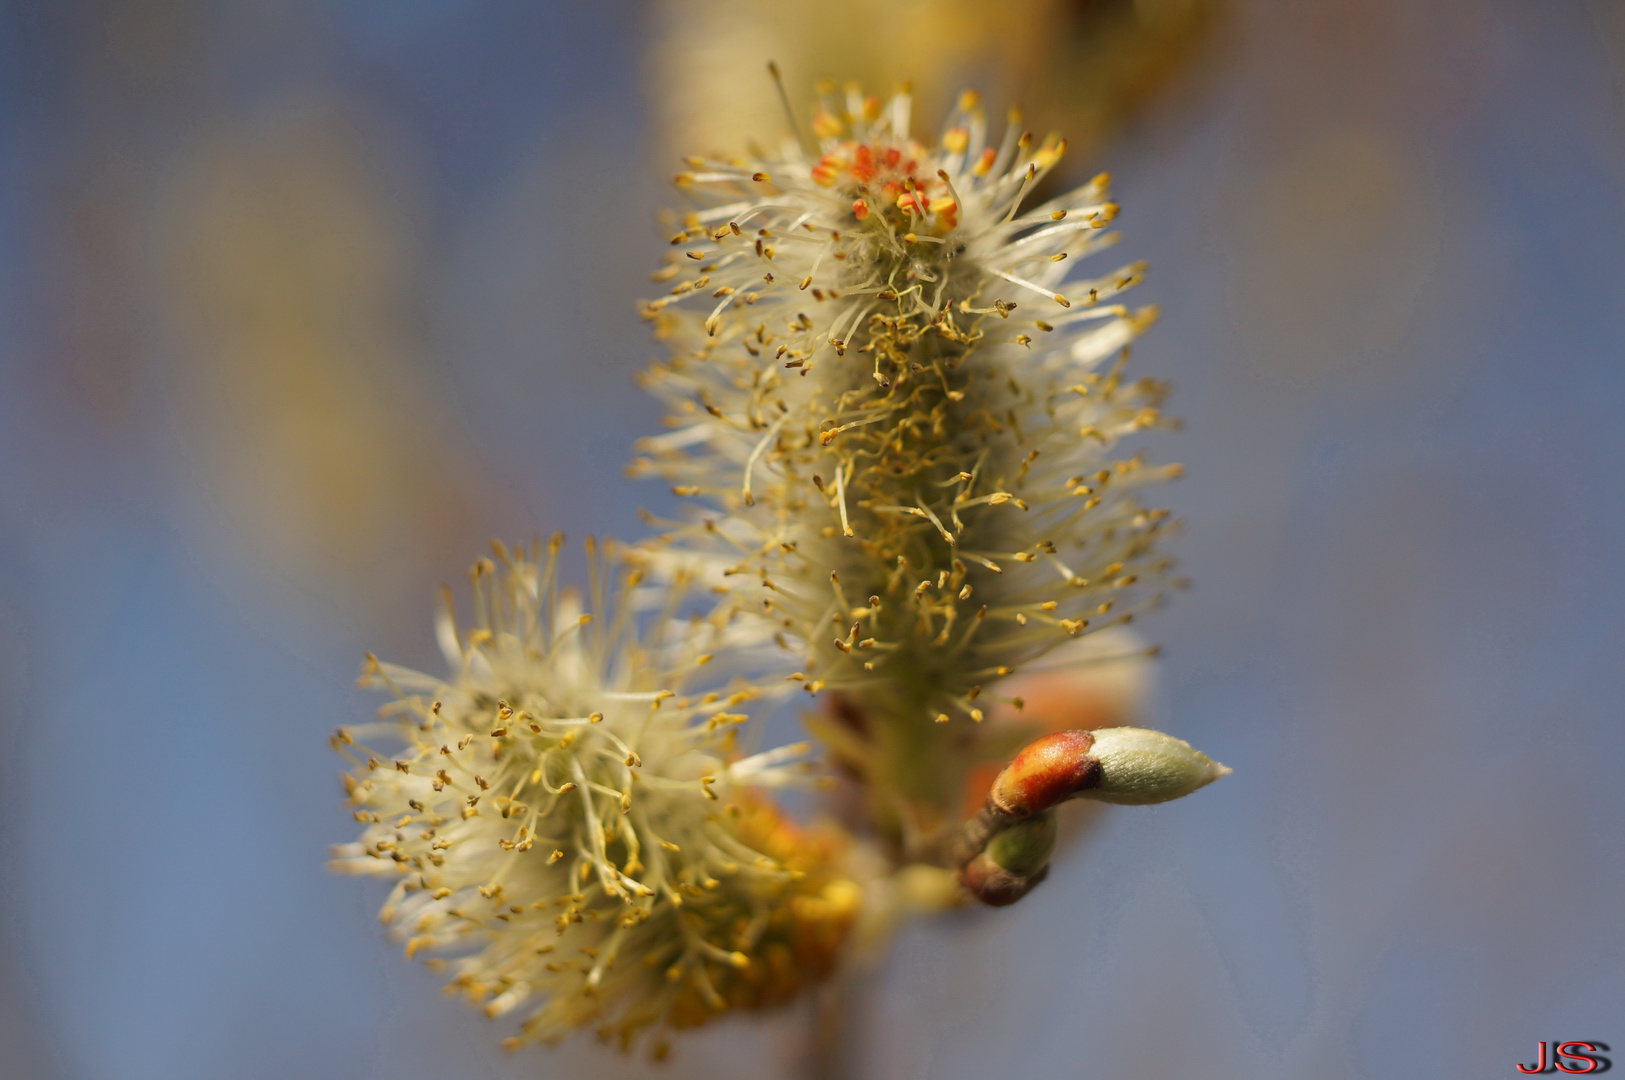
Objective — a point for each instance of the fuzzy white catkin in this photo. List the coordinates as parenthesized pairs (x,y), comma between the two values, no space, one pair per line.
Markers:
(570,831)
(902,415)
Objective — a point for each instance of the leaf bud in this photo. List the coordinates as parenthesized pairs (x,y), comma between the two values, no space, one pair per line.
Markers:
(1025,847)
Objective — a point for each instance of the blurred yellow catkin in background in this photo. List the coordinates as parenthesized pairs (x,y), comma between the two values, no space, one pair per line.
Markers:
(1080,66)
(289,290)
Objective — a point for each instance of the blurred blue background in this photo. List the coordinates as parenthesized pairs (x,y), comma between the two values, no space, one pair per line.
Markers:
(300,302)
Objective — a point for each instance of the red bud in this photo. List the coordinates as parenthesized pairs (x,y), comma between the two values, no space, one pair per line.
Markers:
(995,886)
(1049,770)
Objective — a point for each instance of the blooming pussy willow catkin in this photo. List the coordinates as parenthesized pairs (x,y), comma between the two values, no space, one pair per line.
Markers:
(569,827)
(904,416)
(903,421)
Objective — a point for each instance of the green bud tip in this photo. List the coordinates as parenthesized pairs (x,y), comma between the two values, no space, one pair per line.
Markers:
(1026,846)
(1139,766)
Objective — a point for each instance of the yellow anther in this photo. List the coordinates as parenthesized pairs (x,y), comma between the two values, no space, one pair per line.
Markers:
(826,126)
